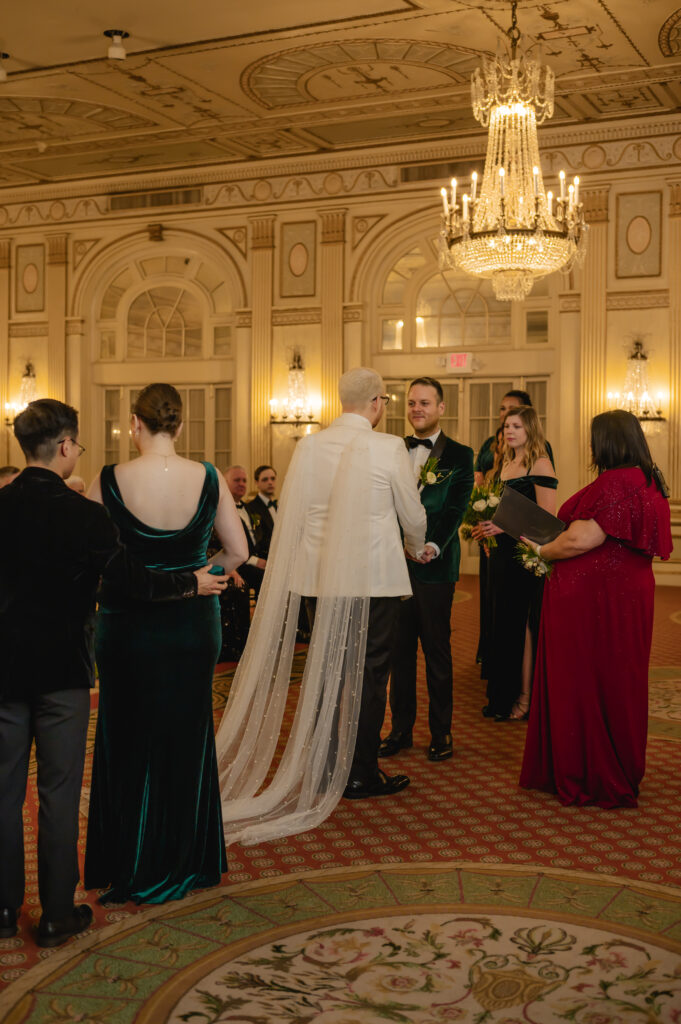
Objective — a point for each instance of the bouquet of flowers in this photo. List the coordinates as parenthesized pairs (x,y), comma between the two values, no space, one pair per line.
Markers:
(482,505)
(530,560)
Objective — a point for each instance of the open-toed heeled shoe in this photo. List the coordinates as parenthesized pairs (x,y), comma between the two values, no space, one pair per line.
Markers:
(520,711)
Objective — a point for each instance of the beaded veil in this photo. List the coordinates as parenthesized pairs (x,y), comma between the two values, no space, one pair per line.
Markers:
(314,768)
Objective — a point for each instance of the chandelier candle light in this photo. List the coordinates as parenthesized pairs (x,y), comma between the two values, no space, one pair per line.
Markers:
(510,229)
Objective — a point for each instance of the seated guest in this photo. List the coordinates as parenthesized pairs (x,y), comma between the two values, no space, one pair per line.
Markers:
(253,569)
(53,548)
(7,474)
(263,508)
(586,739)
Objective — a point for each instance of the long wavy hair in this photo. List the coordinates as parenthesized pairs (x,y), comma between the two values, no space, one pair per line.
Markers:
(535,445)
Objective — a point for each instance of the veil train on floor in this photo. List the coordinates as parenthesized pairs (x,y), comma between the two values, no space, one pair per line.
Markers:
(315,764)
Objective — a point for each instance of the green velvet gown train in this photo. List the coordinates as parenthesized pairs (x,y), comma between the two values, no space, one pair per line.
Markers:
(155,824)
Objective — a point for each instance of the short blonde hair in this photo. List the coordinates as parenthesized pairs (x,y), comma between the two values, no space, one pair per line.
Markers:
(358,387)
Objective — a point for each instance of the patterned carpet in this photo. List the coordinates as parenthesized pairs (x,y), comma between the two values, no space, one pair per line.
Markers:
(455,816)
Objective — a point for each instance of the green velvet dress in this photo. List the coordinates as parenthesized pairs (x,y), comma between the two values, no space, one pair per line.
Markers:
(155,824)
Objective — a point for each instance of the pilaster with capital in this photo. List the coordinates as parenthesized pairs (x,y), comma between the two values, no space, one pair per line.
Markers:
(262,277)
(5,260)
(57,260)
(332,262)
(593,317)
(675,339)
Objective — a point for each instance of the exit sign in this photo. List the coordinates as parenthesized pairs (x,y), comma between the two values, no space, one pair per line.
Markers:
(459,362)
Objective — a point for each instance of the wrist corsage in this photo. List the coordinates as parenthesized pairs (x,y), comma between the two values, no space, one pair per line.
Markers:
(530,558)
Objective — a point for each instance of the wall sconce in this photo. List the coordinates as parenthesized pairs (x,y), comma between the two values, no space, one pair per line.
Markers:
(27,393)
(636,396)
(295,409)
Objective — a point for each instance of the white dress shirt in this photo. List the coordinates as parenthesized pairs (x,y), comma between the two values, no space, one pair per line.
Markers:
(419,455)
(246,520)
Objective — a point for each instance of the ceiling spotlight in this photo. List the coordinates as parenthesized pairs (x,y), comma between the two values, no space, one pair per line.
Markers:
(3,71)
(116,51)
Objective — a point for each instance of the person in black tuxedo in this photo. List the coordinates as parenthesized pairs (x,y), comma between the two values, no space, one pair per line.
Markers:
(253,569)
(444,469)
(263,508)
(54,546)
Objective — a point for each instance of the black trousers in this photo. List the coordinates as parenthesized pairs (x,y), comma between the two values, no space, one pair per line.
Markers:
(383,616)
(426,617)
(58,721)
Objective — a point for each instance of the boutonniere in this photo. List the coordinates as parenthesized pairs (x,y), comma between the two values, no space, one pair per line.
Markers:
(430,474)
(255,519)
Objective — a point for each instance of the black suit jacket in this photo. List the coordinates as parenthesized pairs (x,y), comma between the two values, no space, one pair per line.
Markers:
(265,525)
(54,546)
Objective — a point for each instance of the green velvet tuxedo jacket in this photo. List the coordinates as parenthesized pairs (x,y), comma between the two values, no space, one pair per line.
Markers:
(445,504)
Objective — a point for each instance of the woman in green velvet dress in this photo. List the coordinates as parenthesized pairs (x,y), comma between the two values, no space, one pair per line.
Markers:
(515,595)
(155,823)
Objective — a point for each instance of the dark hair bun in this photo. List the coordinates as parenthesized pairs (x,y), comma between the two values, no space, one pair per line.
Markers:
(159,406)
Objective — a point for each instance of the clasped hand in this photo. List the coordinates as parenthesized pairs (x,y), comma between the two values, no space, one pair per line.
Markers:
(427,555)
(486,528)
(208,583)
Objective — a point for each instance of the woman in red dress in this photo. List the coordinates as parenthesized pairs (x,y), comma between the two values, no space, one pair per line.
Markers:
(586,738)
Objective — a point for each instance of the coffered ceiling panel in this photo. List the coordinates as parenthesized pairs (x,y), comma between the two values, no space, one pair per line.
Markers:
(214,82)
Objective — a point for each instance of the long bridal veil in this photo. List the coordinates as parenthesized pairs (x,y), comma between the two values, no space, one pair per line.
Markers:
(260,802)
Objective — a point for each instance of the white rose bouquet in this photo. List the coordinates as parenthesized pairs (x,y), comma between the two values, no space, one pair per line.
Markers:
(530,560)
(482,506)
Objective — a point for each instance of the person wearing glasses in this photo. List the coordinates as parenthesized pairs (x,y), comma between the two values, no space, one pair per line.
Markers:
(336,544)
(54,546)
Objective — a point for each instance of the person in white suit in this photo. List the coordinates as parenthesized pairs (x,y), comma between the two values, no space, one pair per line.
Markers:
(337,544)
(393,502)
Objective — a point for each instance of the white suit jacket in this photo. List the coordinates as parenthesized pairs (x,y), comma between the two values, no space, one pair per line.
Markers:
(394,496)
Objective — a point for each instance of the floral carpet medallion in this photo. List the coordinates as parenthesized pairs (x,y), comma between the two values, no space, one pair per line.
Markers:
(433,968)
(409,944)
(664,701)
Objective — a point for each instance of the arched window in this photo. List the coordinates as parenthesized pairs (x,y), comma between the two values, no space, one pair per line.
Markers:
(165,321)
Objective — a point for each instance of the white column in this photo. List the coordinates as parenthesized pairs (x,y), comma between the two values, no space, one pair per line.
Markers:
(593,319)
(675,339)
(5,257)
(57,257)
(262,275)
(331,294)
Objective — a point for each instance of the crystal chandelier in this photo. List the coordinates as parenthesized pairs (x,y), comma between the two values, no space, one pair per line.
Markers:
(511,230)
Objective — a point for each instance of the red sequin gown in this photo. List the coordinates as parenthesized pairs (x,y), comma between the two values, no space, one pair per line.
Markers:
(586,737)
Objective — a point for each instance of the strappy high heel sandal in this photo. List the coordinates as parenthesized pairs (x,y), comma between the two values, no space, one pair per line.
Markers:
(520,711)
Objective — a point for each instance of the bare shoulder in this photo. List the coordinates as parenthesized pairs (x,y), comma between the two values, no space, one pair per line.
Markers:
(94,492)
(543,467)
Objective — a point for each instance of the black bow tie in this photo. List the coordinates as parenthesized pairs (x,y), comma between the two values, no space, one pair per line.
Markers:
(414,442)
(272,503)
(239,504)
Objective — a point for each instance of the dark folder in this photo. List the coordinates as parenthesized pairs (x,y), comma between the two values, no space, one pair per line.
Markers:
(518,516)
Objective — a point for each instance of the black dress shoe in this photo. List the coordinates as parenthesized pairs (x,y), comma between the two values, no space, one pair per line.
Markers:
(380,785)
(55,933)
(440,750)
(488,711)
(394,742)
(8,923)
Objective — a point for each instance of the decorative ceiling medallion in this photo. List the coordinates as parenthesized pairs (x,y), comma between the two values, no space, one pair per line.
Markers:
(29,118)
(357,69)
(669,39)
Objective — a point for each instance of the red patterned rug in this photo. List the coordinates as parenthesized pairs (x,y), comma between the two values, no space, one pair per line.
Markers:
(467,809)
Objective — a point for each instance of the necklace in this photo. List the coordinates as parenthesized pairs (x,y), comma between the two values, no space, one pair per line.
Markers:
(162,456)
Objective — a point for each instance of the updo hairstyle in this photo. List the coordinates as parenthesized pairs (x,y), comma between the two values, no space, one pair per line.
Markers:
(159,406)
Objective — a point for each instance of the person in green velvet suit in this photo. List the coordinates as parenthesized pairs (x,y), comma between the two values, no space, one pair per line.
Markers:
(445,472)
